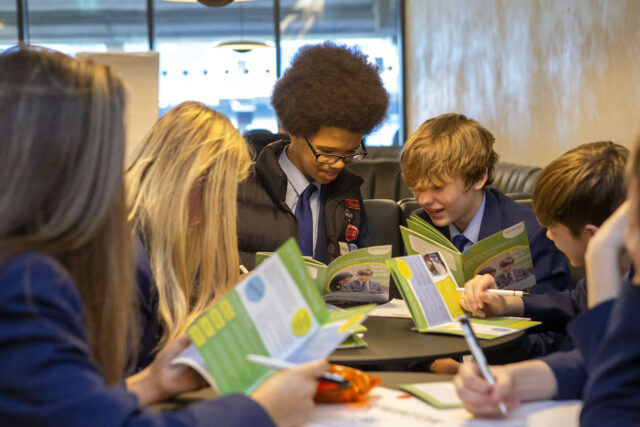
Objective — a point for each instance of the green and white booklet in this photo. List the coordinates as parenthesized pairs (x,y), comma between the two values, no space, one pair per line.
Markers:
(274,311)
(432,299)
(505,254)
(360,276)
(440,394)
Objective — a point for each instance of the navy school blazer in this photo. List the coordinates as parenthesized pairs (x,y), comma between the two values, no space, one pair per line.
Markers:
(47,373)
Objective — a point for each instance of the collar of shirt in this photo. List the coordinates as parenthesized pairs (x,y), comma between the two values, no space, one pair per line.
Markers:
(472,231)
(297,182)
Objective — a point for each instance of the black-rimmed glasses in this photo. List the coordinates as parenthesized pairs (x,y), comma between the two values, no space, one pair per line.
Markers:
(333,158)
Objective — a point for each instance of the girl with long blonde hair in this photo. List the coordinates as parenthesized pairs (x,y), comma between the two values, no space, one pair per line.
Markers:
(67,312)
(182,180)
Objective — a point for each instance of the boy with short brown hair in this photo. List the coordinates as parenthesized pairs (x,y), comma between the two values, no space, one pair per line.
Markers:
(448,163)
(573,196)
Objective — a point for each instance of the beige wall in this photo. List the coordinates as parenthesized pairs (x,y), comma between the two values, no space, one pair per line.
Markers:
(542,75)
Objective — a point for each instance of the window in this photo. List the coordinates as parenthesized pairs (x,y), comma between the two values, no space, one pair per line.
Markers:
(202,57)
(72,26)
(197,60)
(8,25)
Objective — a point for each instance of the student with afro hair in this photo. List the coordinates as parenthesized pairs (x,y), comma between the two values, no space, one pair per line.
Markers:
(327,101)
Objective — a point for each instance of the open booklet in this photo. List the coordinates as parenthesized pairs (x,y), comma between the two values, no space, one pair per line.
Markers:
(274,311)
(432,299)
(505,254)
(360,276)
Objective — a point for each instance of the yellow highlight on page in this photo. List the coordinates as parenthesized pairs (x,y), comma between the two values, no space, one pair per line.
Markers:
(351,321)
(523,324)
(404,269)
(227,310)
(207,327)
(196,336)
(217,318)
(451,296)
(301,322)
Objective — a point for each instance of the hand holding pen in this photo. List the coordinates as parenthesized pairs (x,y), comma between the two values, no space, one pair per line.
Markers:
(482,298)
(476,385)
(478,355)
(481,398)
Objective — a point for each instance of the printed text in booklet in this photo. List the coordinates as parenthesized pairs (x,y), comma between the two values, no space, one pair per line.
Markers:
(275,311)
(429,290)
(505,254)
(360,276)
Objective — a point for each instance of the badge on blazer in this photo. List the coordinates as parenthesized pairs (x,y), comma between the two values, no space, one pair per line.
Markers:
(351,233)
(348,214)
(352,204)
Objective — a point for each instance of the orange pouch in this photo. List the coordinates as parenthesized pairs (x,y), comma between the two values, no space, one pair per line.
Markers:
(360,383)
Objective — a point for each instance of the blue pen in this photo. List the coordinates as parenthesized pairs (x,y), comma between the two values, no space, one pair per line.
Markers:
(478,355)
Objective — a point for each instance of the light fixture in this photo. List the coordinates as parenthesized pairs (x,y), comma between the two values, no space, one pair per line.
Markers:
(209,3)
(242,46)
(215,3)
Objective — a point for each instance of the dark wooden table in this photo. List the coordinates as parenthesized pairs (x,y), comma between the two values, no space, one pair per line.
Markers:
(389,380)
(393,346)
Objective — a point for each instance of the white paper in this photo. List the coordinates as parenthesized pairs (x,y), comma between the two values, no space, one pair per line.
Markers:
(442,391)
(394,408)
(394,308)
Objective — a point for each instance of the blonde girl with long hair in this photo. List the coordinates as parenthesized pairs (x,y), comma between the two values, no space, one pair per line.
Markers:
(182,180)
(67,313)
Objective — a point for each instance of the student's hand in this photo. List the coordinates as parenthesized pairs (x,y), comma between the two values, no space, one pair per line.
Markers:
(161,380)
(485,304)
(478,396)
(602,259)
(287,396)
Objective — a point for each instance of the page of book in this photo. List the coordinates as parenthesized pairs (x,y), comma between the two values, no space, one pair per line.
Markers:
(441,394)
(358,276)
(275,311)
(430,292)
(505,255)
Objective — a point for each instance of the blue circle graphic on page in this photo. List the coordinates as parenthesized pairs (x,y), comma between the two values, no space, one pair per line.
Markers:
(254,289)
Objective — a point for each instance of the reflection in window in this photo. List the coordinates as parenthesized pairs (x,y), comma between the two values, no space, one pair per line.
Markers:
(73,26)
(196,63)
(190,38)
(8,25)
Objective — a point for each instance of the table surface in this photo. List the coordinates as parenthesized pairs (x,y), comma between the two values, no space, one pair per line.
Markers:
(392,343)
(389,380)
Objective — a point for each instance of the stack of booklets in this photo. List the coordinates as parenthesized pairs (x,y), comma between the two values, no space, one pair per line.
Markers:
(275,311)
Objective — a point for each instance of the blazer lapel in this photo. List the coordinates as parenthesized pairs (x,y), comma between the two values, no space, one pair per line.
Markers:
(491,218)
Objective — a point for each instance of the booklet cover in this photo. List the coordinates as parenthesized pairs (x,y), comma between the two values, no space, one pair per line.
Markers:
(274,311)
(428,287)
(505,254)
(360,276)
(440,394)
